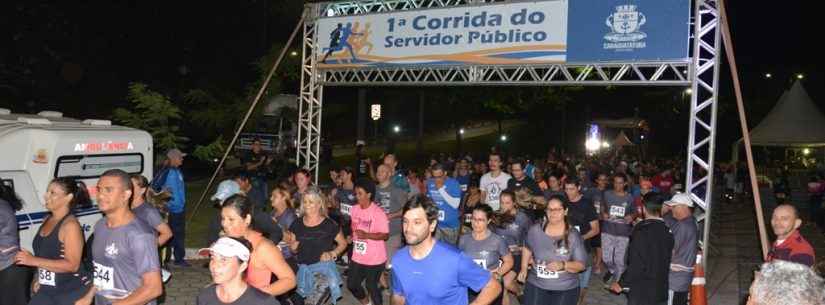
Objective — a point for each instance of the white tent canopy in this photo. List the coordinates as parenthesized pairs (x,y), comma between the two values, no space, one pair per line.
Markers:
(794,121)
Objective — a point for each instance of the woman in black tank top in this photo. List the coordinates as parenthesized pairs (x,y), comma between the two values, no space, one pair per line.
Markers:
(58,247)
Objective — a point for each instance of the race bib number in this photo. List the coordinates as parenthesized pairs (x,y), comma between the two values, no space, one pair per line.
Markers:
(616,211)
(45,277)
(481,263)
(104,277)
(360,247)
(440,215)
(543,273)
(345,209)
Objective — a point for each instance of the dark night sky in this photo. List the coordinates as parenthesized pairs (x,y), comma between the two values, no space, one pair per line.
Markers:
(72,54)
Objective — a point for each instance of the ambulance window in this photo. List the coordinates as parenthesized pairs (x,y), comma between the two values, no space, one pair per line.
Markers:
(92,166)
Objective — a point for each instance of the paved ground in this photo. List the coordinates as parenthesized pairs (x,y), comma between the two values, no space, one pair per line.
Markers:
(186,282)
(735,254)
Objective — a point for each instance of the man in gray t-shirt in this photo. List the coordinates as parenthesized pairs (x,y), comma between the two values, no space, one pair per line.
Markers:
(682,224)
(392,199)
(124,248)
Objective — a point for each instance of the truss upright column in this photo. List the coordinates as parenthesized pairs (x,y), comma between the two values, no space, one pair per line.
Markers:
(703,100)
(309,106)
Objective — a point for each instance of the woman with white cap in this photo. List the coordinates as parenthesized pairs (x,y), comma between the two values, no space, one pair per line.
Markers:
(228,264)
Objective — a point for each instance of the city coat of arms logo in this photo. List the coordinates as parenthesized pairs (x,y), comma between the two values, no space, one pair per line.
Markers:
(625,24)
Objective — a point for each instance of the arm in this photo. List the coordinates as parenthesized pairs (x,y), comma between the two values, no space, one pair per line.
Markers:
(506,265)
(452,199)
(341,246)
(398,300)
(373,236)
(164,233)
(72,239)
(278,266)
(489,293)
(150,289)
(526,257)
(594,230)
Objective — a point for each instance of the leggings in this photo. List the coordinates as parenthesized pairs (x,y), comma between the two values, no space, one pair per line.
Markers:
(14,281)
(357,273)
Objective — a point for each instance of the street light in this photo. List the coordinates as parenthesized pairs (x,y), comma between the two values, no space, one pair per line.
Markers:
(294,53)
(592,144)
(688,91)
(396,129)
(461,131)
(503,138)
(605,145)
(806,151)
(768,75)
(800,76)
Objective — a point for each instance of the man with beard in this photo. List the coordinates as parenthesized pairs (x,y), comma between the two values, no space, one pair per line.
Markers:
(429,271)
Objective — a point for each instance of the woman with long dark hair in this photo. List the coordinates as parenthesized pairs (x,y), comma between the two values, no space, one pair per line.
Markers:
(58,246)
(14,289)
(558,254)
(266,259)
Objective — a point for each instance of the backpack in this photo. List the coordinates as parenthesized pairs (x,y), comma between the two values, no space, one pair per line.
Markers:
(160,180)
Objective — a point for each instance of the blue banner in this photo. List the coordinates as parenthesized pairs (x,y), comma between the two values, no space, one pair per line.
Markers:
(628,30)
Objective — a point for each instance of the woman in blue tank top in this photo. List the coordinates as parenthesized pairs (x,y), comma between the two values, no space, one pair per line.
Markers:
(58,246)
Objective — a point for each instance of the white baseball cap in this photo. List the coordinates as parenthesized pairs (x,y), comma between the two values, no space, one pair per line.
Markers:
(225,189)
(680,199)
(227,247)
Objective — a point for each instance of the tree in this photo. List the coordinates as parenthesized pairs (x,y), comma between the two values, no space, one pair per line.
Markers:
(153,112)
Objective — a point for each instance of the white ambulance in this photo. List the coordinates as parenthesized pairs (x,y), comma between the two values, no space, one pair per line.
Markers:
(34,149)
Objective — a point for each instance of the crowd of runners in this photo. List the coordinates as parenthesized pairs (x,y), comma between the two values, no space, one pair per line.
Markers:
(491,229)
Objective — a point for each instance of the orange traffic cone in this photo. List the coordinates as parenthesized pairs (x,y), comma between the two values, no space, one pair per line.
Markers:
(698,295)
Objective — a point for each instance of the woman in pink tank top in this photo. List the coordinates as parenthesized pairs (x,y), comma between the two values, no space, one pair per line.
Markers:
(266,258)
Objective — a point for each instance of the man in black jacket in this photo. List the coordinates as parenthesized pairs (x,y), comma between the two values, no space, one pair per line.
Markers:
(648,257)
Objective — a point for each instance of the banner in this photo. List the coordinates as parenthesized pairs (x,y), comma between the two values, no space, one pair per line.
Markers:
(514,33)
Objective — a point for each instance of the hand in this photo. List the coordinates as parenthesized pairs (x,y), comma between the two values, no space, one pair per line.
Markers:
(35,286)
(522,276)
(555,266)
(359,234)
(288,237)
(616,288)
(24,257)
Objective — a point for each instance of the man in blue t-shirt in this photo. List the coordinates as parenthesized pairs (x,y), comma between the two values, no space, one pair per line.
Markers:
(446,194)
(427,271)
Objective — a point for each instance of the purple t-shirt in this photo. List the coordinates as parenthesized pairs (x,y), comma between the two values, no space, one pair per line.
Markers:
(121,256)
(550,249)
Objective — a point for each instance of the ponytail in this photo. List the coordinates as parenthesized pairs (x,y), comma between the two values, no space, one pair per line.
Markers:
(80,195)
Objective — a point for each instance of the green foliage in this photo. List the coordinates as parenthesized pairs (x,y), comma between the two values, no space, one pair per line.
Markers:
(211,151)
(153,112)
